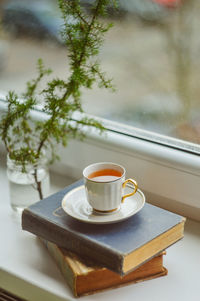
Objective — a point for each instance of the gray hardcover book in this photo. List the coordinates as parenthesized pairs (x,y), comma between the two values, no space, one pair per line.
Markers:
(121,247)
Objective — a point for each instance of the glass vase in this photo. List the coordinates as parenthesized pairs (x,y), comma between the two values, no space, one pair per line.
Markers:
(24,186)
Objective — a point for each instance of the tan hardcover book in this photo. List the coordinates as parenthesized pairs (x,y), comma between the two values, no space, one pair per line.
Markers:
(87,278)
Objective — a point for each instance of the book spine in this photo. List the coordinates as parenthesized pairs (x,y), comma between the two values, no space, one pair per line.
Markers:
(86,249)
(65,269)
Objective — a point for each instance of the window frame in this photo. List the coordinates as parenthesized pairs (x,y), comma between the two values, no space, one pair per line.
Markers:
(169,175)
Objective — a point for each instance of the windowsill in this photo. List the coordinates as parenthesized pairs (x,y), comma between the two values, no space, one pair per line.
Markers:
(169,176)
(27,270)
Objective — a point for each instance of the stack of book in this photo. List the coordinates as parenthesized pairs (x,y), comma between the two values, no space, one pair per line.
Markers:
(97,257)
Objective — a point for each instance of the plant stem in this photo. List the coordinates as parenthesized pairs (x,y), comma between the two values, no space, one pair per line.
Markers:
(88,31)
(38,185)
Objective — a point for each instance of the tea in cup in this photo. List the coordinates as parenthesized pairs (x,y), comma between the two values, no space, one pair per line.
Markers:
(104,183)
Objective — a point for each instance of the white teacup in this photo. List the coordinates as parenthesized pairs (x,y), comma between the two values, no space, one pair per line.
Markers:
(104,183)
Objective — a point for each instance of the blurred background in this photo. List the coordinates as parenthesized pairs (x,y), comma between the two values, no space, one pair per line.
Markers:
(152,54)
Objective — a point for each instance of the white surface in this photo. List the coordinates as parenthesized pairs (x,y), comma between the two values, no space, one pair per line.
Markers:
(75,204)
(27,269)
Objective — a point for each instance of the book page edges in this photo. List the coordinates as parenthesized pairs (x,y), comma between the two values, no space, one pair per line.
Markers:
(153,247)
(81,269)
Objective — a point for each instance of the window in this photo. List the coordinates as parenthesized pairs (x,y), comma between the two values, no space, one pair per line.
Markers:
(152,55)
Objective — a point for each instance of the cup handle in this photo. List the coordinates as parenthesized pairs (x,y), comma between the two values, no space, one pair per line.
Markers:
(135,185)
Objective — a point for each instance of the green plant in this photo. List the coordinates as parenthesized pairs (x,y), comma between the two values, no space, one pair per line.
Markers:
(26,139)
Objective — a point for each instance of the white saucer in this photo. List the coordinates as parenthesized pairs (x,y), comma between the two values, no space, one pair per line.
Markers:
(75,204)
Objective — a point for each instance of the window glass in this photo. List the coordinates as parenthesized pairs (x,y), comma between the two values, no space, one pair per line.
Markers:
(152,54)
